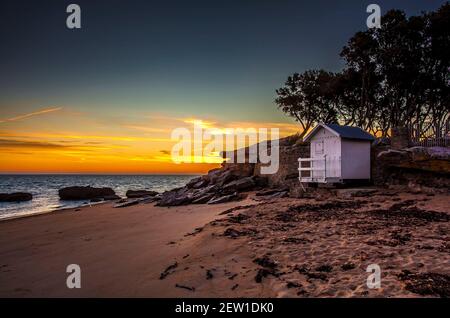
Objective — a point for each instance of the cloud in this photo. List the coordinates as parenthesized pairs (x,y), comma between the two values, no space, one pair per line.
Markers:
(36,113)
(165,152)
(148,129)
(11,143)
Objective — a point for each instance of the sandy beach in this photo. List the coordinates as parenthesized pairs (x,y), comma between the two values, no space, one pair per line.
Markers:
(271,248)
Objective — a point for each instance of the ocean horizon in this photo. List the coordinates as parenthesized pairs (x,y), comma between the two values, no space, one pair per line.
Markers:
(44,188)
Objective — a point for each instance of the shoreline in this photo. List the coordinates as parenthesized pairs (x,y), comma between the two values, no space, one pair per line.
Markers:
(16,217)
(45,187)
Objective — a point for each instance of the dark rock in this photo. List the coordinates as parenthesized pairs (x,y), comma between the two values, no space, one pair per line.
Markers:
(175,197)
(169,270)
(262,272)
(415,167)
(213,175)
(314,275)
(185,287)
(283,194)
(232,276)
(140,193)
(225,177)
(293,285)
(324,268)
(203,198)
(127,204)
(240,170)
(202,183)
(198,182)
(271,191)
(195,232)
(194,181)
(424,284)
(239,185)
(15,197)
(84,193)
(269,267)
(111,197)
(237,219)
(265,261)
(223,199)
(261,182)
(233,233)
(296,240)
(348,266)
(240,207)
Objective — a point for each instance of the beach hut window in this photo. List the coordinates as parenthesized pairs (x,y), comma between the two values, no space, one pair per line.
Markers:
(319,148)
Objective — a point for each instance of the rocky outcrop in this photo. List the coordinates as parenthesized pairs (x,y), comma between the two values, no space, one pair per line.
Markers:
(434,159)
(133,194)
(15,197)
(224,198)
(86,193)
(416,166)
(239,185)
(232,179)
(214,190)
(290,149)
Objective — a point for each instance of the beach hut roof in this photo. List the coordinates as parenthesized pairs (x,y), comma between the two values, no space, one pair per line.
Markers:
(346,132)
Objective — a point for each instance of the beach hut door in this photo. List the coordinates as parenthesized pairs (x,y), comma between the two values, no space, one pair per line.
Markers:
(318,172)
(318,148)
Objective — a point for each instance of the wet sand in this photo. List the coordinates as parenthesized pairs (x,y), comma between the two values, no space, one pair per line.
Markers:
(269,248)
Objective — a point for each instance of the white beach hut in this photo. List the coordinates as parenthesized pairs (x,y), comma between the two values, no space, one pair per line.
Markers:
(338,154)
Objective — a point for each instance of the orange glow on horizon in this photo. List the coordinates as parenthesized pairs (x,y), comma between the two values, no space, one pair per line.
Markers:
(50,141)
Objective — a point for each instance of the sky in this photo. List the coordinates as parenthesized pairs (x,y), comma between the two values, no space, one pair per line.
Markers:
(105,98)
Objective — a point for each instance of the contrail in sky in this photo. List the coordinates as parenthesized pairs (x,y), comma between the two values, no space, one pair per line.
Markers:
(24,116)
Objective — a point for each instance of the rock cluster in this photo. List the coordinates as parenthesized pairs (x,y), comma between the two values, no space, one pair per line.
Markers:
(416,167)
(218,186)
(15,197)
(87,193)
(230,181)
(133,194)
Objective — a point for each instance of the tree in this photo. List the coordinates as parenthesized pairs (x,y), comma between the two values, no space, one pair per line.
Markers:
(394,76)
(304,97)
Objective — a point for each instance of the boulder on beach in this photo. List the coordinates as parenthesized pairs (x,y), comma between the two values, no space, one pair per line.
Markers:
(239,185)
(111,197)
(140,193)
(224,199)
(85,193)
(179,196)
(15,197)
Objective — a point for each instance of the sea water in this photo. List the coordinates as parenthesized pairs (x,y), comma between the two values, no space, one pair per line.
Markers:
(44,189)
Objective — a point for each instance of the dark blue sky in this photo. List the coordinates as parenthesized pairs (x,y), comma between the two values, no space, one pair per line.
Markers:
(202,58)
